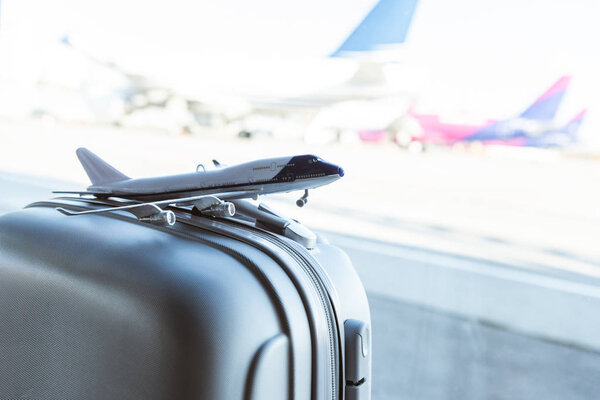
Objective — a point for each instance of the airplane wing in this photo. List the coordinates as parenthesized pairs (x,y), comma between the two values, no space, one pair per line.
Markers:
(81,193)
(139,210)
(210,204)
(242,194)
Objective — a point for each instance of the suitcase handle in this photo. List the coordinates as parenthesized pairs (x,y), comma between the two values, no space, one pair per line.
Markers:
(268,219)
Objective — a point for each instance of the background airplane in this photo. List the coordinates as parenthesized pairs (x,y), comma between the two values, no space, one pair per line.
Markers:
(553,138)
(527,129)
(284,90)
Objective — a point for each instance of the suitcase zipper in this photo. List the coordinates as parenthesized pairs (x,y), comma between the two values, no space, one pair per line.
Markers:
(324,291)
(324,297)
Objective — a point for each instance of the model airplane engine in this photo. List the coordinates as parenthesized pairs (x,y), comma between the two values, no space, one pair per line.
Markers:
(165,218)
(221,210)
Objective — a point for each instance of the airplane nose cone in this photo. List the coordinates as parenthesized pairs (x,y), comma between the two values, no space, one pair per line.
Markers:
(331,169)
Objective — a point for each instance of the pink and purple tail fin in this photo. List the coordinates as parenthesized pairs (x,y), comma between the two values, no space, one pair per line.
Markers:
(573,125)
(545,107)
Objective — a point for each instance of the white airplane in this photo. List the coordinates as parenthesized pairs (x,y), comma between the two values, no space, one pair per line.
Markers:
(207,191)
(237,86)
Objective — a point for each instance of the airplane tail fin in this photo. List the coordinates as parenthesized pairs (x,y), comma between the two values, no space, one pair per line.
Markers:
(386,24)
(572,127)
(99,171)
(545,107)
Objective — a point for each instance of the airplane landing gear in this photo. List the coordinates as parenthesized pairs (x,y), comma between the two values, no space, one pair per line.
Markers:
(302,200)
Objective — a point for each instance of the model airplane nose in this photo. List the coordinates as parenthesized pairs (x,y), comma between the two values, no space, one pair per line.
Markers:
(331,169)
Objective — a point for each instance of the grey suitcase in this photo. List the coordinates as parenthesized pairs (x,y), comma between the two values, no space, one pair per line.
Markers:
(107,307)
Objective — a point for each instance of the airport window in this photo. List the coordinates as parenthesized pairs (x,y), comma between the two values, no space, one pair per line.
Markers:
(469,133)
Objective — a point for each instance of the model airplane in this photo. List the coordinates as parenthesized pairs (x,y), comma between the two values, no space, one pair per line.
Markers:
(208,191)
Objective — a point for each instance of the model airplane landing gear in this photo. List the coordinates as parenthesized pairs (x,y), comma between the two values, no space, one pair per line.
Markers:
(302,200)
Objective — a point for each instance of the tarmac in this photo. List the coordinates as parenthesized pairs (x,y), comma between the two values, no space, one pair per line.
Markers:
(481,270)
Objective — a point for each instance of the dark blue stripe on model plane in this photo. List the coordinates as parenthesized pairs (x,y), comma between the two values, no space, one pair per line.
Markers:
(304,166)
(386,24)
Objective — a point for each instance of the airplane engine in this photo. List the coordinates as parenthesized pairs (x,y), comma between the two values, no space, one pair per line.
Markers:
(224,209)
(165,218)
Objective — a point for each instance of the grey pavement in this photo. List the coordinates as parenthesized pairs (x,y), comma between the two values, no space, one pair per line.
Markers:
(427,347)
(421,354)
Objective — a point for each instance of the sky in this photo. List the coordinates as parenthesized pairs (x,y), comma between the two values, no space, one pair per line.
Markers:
(485,57)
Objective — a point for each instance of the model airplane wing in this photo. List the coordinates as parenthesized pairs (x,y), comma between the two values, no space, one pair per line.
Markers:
(139,210)
(210,204)
(81,192)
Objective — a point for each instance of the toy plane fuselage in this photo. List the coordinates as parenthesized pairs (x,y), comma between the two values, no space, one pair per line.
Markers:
(273,175)
(210,192)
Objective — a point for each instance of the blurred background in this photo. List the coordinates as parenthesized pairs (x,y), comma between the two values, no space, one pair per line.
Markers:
(469,132)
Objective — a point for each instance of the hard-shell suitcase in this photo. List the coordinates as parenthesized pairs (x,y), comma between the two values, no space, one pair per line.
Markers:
(107,307)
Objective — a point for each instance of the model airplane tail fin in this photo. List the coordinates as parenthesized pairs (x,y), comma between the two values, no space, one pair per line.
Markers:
(572,127)
(545,107)
(386,24)
(99,171)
